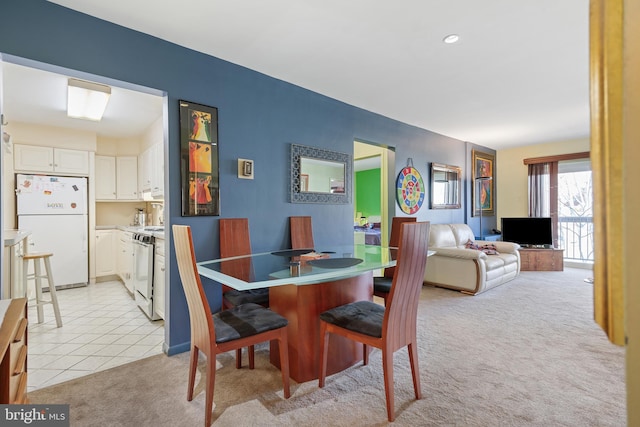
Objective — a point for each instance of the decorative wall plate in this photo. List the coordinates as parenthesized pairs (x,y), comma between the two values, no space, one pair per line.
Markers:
(410,190)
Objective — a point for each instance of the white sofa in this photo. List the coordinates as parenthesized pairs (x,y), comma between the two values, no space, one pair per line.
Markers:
(468,270)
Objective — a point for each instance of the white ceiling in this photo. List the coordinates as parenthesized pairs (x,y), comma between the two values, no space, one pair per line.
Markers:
(35,96)
(518,76)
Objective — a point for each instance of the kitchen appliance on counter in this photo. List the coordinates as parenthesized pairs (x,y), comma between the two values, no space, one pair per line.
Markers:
(140,219)
(54,209)
(143,250)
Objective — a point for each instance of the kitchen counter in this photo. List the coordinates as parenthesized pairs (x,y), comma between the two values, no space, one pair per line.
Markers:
(12,237)
(156,231)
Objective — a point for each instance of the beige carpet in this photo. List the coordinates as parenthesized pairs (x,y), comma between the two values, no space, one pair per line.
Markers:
(524,354)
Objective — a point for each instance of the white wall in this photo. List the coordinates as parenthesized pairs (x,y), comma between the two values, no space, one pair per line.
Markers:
(153,135)
(118,146)
(512,173)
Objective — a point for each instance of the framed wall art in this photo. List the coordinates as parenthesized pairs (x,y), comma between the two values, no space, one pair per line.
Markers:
(482,185)
(199,159)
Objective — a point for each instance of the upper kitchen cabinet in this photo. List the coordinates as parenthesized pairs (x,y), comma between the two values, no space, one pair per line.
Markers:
(127,178)
(105,178)
(145,161)
(157,172)
(117,178)
(151,171)
(33,158)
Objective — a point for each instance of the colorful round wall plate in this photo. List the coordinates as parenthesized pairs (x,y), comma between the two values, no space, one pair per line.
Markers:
(410,190)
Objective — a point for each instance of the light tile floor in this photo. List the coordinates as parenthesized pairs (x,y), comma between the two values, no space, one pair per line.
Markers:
(102,327)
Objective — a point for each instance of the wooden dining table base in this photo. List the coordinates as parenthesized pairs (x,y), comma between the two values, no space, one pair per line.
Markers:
(302,305)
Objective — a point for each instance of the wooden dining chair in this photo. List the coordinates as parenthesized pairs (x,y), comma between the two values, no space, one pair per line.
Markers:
(240,326)
(387,328)
(382,285)
(301,232)
(235,241)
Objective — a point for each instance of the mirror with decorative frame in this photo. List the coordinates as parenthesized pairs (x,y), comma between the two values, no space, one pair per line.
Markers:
(446,182)
(319,175)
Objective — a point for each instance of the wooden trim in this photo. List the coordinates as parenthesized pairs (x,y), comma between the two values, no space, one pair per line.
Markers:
(607,146)
(553,201)
(558,158)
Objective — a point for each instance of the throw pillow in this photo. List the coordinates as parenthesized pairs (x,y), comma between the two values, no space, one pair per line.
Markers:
(489,249)
(471,245)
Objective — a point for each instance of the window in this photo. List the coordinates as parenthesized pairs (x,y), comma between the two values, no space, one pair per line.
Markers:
(575,210)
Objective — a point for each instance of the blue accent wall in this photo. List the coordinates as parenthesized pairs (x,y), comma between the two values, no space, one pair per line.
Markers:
(259,117)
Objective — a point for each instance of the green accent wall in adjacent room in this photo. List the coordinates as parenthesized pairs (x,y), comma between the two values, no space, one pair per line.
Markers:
(367,190)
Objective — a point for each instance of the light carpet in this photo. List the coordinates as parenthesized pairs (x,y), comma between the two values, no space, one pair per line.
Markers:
(527,353)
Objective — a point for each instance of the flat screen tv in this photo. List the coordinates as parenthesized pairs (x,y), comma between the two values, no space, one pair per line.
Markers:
(527,231)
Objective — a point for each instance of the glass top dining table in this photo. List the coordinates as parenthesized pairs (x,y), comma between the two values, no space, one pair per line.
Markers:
(269,269)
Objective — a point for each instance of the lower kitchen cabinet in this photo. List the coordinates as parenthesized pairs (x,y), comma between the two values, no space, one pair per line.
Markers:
(158,278)
(125,259)
(106,250)
(13,278)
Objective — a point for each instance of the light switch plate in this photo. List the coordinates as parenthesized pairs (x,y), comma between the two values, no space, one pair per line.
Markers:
(245,169)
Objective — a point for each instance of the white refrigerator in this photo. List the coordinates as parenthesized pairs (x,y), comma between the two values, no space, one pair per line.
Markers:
(54,209)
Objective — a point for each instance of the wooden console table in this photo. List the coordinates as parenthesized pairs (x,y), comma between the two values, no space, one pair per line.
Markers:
(537,259)
(13,351)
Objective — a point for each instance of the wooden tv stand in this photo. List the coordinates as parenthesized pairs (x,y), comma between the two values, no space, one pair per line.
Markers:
(541,259)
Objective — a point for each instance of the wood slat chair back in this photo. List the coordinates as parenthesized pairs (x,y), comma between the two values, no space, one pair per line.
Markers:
(399,324)
(235,241)
(234,237)
(394,238)
(301,232)
(382,285)
(202,330)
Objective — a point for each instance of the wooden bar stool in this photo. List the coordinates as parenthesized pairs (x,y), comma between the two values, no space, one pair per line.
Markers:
(38,276)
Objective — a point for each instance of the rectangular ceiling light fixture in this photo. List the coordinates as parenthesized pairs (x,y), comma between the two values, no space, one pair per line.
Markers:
(87,100)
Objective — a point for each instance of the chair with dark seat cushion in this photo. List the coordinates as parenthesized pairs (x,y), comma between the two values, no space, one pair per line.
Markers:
(382,285)
(301,232)
(387,328)
(232,329)
(235,241)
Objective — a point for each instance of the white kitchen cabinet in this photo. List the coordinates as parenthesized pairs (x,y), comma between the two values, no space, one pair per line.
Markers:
(127,178)
(12,268)
(151,171)
(105,178)
(117,178)
(157,171)
(158,278)
(48,159)
(106,250)
(144,169)
(125,259)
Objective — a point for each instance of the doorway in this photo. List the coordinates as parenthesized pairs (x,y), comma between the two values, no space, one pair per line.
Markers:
(100,319)
(373,191)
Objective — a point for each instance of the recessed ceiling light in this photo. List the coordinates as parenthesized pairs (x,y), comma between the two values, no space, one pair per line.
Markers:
(451,38)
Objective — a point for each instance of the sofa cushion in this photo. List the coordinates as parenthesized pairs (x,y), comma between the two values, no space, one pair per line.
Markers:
(441,236)
(462,233)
